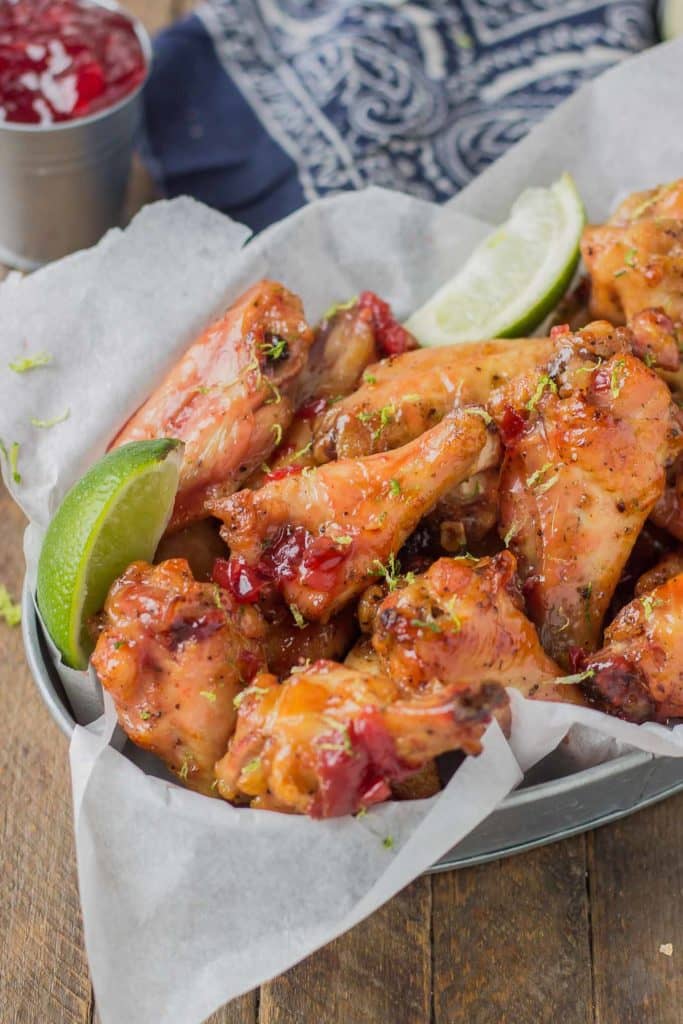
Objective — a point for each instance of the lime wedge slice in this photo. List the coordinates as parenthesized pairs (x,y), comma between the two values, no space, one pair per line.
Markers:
(113,516)
(671,19)
(515,277)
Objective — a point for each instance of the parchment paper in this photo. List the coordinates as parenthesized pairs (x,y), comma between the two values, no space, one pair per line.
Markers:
(188,902)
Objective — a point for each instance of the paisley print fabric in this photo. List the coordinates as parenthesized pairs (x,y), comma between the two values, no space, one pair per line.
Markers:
(417,95)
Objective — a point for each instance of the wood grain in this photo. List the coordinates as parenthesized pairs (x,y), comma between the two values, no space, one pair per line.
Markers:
(378,972)
(511,940)
(636,885)
(43,970)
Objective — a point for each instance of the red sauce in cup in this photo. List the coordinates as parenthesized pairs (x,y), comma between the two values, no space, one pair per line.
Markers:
(63,59)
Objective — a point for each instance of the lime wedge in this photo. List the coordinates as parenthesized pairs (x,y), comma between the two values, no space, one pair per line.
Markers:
(113,516)
(671,19)
(515,277)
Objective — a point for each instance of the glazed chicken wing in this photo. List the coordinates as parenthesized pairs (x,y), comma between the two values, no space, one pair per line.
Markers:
(403,396)
(174,653)
(344,346)
(463,622)
(586,446)
(319,536)
(331,740)
(635,260)
(230,397)
(288,644)
(638,673)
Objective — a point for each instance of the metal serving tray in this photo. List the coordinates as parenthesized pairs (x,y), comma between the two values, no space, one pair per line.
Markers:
(549,805)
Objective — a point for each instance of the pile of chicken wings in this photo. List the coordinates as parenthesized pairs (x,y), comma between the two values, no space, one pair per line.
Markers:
(371,540)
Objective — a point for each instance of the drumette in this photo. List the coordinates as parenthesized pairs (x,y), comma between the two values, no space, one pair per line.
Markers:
(320,536)
(230,397)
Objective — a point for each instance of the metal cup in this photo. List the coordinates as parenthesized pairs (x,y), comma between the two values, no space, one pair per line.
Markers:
(63,185)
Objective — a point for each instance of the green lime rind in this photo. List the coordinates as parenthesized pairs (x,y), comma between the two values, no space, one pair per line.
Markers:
(114,515)
(515,277)
(527,324)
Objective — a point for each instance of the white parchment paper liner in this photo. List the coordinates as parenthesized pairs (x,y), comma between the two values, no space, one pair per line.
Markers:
(188,902)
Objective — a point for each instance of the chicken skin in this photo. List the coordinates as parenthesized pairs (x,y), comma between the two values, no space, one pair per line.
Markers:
(230,397)
(403,396)
(331,740)
(638,673)
(586,448)
(463,622)
(665,569)
(635,260)
(343,347)
(174,654)
(468,513)
(288,645)
(321,536)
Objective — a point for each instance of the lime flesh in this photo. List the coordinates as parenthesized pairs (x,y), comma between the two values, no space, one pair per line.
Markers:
(113,516)
(514,278)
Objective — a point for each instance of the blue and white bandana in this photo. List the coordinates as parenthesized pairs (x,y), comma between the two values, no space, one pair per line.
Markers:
(258,106)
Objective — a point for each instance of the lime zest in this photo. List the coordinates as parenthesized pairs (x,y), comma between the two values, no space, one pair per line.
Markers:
(12,457)
(338,307)
(23,365)
(10,611)
(46,424)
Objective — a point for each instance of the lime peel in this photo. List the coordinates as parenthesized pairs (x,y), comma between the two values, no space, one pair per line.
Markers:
(114,515)
(514,278)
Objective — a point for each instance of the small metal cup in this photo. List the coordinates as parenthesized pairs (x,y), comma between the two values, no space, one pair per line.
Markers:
(63,185)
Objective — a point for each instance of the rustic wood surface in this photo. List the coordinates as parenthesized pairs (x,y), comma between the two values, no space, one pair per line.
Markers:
(570,932)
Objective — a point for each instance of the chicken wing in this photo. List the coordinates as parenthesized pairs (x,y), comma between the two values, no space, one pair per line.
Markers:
(586,446)
(635,260)
(344,346)
(468,513)
(174,653)
(638,673)
(403,396)
(331,740)
(230,397)
(462,622)
(288,644)
(321,535)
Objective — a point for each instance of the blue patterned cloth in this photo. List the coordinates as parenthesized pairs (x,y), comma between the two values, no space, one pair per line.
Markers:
(258,106)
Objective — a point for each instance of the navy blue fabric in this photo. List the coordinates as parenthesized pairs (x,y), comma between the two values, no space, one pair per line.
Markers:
(257,106)
(203,139)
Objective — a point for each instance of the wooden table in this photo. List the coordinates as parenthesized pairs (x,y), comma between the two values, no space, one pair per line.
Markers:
(568,933)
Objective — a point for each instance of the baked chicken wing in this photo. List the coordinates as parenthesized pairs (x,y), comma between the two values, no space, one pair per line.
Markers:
(343,347)
(638,673)
(230,397)
(331,740)
(463,622)
(174,654)
(403,396)
(322,535)
(635,260)
(586,448)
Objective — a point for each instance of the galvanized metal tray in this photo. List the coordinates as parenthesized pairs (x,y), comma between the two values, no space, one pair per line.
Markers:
(549,805)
